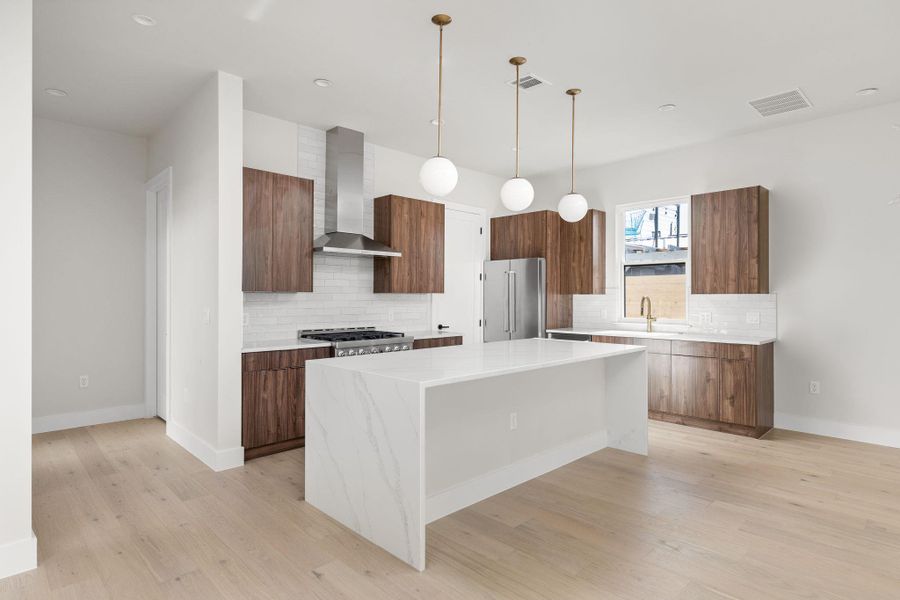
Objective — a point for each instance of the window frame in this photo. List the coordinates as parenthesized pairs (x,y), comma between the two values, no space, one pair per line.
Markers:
(621,209)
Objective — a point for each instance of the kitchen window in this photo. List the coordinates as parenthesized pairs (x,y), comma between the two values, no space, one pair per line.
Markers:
(655,259)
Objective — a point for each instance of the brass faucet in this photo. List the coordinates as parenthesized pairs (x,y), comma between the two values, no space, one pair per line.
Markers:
(649,314)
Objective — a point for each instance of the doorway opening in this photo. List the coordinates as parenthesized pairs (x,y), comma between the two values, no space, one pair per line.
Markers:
(158,286)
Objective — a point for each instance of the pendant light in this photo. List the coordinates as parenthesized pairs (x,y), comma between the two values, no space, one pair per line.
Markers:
(517,193)
(438,175)
(572,207)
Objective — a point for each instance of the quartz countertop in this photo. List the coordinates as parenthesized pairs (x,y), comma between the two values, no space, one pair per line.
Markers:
(687,336)
(285,344)
(432,334)
(452,364)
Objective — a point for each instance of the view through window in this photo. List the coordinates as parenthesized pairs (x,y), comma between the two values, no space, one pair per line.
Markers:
(656,253)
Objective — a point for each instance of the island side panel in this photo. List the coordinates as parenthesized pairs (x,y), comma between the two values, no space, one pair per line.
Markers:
(472,450)
(626,402)
(365,458)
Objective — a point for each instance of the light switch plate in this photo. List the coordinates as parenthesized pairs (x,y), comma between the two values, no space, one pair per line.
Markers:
(83,381)
(753,318)
(815,387)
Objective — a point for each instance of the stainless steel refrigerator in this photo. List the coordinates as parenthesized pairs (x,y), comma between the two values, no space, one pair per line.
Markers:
(514,299)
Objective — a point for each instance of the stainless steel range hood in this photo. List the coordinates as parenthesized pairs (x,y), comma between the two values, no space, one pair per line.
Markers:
(344,198)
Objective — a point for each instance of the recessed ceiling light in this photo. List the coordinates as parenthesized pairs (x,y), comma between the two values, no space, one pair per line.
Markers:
(894,202)
(322,82)
(896,126)
(666,108)
(144,20)
(867,91)
(56,92)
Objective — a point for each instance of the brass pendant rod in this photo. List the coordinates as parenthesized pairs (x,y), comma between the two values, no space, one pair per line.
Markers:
(573,144)
(440,117)
(517,120)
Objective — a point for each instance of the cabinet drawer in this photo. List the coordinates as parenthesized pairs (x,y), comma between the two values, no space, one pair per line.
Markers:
(281,359)
(703,349)
(737,351)
(654,346)
(437,342)
(608,339)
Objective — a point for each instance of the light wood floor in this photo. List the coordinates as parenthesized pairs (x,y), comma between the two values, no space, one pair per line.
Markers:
(120,512)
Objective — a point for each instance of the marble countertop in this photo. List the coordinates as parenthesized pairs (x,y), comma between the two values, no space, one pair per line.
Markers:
(432,333)
(286,344)
(452,364)
(295,344)
(688,336)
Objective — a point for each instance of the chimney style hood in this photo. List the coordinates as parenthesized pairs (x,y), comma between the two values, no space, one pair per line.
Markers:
(344,198)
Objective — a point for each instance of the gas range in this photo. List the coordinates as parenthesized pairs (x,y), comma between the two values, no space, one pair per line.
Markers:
(359,341)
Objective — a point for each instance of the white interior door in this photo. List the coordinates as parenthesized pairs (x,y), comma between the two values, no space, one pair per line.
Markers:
(162,304)
(459,307)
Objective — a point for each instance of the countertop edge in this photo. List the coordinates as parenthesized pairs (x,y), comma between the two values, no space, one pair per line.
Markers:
(662,335)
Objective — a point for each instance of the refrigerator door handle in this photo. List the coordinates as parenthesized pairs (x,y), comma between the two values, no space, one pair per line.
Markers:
(506,310)
(514,310)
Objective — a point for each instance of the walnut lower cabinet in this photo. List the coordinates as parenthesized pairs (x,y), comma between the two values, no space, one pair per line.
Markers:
(438,342)
(727,387)
(272,395)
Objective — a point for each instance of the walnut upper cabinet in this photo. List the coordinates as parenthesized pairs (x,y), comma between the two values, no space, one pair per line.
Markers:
(730,242)
(278,233)
(583,254)
(416,229)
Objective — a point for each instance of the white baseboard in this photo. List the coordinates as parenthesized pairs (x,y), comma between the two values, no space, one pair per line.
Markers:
(217,460)
(18,556)
(88,417)
(484,486)
(845,431)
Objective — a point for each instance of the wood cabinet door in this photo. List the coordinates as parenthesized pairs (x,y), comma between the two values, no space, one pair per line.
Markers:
(257,238)
(736,398)
(695,387)
(292,237)
(583,254)
(659,381)
(416,229)
(428,218)
(729,242)
(272,406)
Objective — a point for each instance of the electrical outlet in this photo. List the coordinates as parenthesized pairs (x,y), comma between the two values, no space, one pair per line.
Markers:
(753,318)
(815,387)
(513,421)
(206,316)
(706,318)
(83,381)
(391,316)
(604,314)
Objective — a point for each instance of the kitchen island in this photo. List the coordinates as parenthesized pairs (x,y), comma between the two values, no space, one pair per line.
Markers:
(396,441)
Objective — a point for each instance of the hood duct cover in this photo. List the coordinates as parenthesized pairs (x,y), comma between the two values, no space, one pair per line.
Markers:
(344,198)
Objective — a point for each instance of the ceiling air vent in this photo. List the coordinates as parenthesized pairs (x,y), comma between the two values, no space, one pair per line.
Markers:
(529,82)
(781,103)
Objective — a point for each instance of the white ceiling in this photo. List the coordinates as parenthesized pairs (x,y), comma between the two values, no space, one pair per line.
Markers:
(710,57)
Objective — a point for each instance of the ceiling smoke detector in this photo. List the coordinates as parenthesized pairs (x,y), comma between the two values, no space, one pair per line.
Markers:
(781,103)
(529,82)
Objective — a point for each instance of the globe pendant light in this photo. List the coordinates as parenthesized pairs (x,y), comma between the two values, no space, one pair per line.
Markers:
(572,207)
(517,193)
(438,175)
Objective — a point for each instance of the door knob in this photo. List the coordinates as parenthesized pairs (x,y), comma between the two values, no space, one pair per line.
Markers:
(440,327)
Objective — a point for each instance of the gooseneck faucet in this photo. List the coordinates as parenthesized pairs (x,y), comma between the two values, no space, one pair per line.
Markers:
(648,314)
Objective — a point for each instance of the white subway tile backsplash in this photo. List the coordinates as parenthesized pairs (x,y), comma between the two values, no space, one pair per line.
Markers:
(342,295)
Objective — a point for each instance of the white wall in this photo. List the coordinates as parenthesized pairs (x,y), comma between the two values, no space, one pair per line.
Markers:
(342,295)
(202,142)
(18,547)
(834,260)
(88,275)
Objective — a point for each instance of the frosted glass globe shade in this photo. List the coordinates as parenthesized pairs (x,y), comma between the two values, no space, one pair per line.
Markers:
(517,194)
(438,176)
(572,207)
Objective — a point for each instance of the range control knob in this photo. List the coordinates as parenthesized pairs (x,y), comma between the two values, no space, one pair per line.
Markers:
(351,352)
(375,351)
(396,348)
(387,348)
(404,347)
(341,353)
(362,351)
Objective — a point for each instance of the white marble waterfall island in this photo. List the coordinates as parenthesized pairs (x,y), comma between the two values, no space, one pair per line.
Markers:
(396,441)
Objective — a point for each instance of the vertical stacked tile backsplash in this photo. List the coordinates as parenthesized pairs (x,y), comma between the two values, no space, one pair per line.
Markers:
(342,286)
(714,313)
